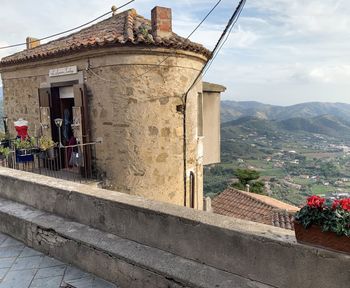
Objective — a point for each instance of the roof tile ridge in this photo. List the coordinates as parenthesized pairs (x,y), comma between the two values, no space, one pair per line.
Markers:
(255,199)
(129,25)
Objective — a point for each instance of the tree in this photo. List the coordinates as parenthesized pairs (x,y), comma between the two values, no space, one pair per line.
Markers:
(246,175)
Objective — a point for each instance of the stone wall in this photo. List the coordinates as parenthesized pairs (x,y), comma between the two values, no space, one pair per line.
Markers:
(266,255)
(134,114)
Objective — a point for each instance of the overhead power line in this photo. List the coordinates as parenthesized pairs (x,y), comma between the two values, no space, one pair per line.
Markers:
(187,38)
(221,42)
(67,31)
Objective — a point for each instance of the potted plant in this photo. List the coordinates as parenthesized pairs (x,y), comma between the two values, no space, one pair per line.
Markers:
(324,223)
(24,149)
(25,146)
(46,144)
(4,152)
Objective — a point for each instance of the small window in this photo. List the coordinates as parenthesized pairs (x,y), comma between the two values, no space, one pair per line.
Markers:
(200,115)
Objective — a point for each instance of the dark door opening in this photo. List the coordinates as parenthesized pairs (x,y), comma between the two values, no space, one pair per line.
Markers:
(68,103)
(62,107)
(67,117)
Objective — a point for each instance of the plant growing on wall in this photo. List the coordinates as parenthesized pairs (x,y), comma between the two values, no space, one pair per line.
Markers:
(5,151)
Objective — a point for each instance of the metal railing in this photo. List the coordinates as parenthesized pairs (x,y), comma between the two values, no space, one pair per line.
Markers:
(74,162)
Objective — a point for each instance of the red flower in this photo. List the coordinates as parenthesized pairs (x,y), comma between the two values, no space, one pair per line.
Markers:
(315,202)
(345,204)
(335,204)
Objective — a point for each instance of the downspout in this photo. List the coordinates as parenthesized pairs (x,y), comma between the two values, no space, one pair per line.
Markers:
(184,139)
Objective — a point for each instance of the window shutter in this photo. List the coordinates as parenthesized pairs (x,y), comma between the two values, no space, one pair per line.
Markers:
(80,113)
(45,111)
(81,126)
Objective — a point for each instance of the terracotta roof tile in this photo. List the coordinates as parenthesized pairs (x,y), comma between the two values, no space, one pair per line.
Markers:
(126,28)
(253,207)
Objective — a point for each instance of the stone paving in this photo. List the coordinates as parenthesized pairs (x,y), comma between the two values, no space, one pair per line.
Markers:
(23,267)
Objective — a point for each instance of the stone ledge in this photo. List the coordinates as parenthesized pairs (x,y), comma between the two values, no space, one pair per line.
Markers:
(28,188)
(124,262)
(254,251)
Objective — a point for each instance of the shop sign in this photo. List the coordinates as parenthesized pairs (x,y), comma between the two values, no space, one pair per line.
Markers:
(63,71)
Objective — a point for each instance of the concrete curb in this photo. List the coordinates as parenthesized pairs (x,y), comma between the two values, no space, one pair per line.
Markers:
(121,261)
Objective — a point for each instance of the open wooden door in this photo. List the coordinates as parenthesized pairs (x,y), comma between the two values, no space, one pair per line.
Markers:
(81,128)
(45,111)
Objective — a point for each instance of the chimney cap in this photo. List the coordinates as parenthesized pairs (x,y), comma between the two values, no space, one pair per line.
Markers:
(32,42)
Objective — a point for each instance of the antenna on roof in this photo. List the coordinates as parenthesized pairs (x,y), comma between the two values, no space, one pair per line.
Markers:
(114,10)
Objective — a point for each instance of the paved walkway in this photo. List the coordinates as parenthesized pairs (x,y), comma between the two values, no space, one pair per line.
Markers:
(23,267)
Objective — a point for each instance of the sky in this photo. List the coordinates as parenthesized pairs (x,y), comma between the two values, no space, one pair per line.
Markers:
(280,52)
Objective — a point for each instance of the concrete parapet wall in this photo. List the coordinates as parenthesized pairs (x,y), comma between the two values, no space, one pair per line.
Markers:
(253,251)
(123,262)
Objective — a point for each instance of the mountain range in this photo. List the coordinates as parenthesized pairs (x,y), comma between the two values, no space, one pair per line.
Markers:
(239,118)
(232,110)
(332,119)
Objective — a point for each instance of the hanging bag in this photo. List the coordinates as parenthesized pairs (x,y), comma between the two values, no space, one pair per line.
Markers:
(77,158)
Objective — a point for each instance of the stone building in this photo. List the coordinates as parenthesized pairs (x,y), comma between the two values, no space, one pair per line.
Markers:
(122,81)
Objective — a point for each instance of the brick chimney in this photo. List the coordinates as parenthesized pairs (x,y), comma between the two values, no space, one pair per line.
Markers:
(32,42)
(161,22)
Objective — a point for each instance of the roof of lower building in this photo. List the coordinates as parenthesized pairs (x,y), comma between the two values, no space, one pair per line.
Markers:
(254,207)
(211,87)
(126,28)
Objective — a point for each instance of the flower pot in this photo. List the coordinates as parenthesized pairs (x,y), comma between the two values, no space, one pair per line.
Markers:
(42,155)
(24,158)
(327,240)
(51,153)
(5,143)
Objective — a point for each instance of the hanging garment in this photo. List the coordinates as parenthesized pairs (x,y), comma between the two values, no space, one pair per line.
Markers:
(66,125)
(21,127)
(72,141)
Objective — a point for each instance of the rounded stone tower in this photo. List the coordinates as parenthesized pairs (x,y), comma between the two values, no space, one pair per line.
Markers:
(134,73)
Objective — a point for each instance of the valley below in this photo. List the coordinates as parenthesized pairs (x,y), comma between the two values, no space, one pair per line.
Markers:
(296,157)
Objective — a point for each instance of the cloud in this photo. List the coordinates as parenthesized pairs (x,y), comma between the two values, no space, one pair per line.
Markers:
(277,47)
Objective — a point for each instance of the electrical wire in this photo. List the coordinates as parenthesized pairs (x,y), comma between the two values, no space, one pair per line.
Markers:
(187,38)
(167,57)
(223,43)
(222,40)
(66,31)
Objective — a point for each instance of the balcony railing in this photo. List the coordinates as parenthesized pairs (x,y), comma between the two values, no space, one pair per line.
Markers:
(74,163)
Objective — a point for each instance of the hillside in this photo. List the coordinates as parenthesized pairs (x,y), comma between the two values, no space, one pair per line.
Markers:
(296,157)
(231,110)
(325,124)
